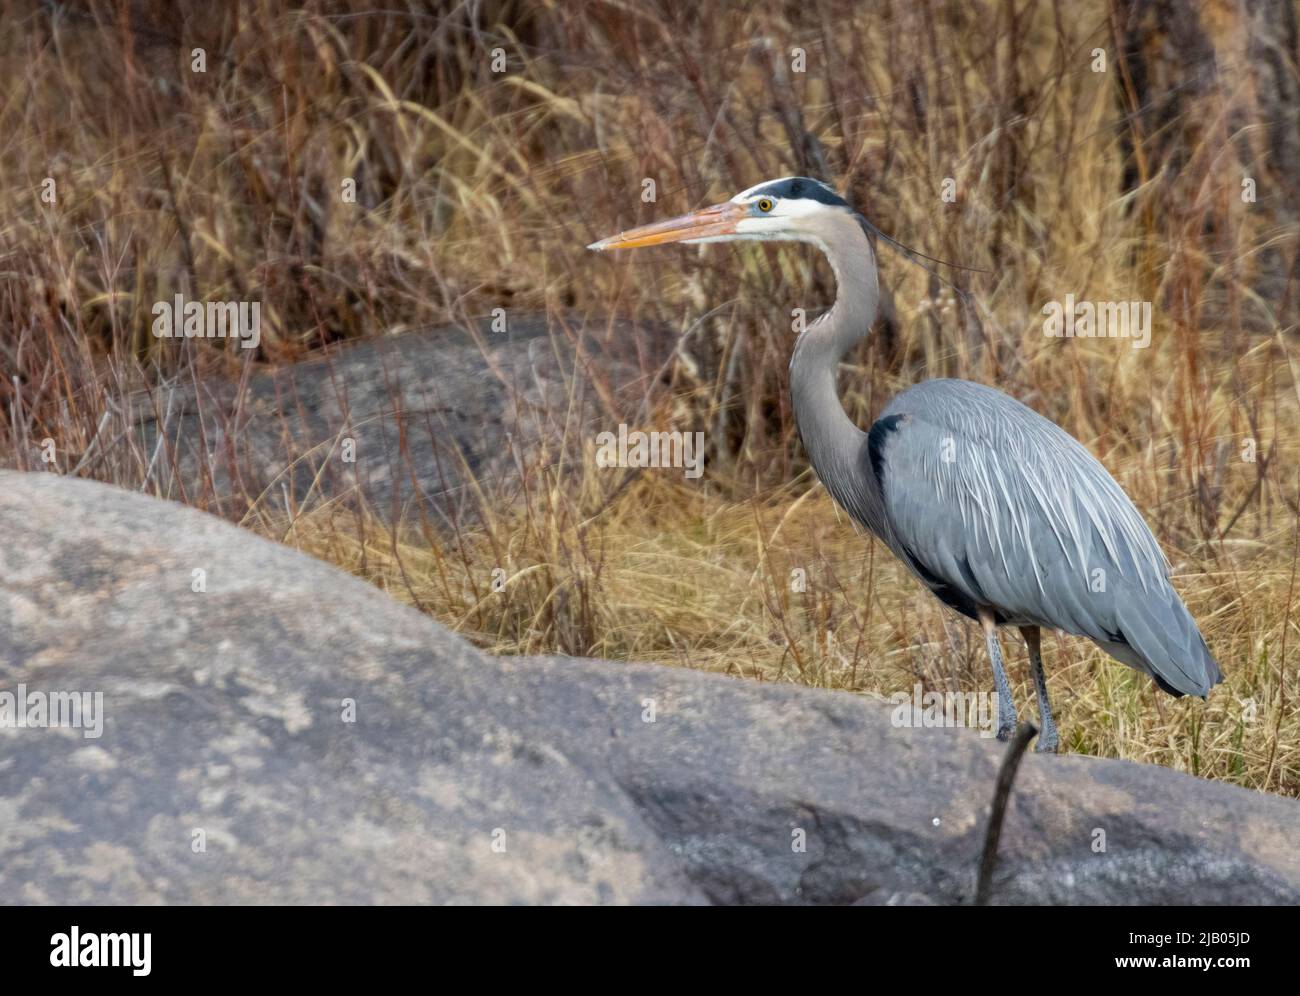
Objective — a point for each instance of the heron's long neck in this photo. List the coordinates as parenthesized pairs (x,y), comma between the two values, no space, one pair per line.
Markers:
(833,442)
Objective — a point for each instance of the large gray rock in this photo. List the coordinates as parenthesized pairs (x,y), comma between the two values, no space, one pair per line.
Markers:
(224,723)
(428,423)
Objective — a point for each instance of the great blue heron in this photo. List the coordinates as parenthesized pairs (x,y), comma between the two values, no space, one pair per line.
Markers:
(1000,513)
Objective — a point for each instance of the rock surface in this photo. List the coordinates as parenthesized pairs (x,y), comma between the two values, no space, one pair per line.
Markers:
(437,420)
(224,725)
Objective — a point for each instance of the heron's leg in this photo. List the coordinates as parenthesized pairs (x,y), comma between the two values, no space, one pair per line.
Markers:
(1048,740)
(1007,718)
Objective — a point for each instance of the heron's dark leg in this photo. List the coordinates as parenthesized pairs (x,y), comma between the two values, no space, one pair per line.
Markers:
(1048,740)
(1006,705)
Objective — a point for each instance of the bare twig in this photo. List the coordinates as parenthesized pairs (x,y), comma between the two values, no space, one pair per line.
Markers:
(1006,775)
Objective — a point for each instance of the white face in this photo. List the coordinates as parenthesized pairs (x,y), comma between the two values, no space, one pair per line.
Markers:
(777,219)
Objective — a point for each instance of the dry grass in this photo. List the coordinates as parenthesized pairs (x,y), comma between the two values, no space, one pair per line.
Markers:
(477,189)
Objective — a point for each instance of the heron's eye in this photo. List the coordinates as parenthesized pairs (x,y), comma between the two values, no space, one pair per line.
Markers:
(765,204)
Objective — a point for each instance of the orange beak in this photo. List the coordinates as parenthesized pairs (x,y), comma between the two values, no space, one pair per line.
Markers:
(720,219)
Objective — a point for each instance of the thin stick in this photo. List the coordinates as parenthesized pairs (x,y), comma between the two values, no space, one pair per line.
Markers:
(1006,775)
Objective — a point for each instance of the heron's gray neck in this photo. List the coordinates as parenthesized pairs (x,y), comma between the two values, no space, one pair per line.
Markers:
(833,442)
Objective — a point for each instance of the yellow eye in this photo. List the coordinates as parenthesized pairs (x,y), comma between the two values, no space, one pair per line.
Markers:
(765,205)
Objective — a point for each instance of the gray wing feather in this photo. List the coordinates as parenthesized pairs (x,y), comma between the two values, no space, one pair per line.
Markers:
(990,503)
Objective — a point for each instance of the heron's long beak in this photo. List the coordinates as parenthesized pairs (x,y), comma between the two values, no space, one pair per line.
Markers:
(720,219)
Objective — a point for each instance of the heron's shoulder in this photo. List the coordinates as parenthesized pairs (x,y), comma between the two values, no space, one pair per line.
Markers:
(973,411)
(934,399)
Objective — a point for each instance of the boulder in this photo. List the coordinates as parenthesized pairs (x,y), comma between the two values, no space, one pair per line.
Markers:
(276,731)
(428,423)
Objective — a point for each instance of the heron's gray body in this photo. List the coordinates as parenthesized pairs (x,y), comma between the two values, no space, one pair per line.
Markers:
(990,504)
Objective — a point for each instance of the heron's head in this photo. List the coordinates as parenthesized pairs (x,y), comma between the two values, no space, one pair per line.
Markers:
(791,209)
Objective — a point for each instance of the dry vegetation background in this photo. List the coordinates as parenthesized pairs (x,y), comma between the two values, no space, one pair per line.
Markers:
(479,189)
